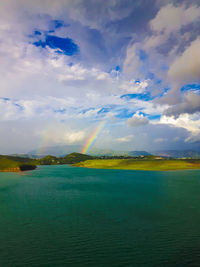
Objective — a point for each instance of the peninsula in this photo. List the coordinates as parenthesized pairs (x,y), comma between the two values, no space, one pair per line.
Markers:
(145,164)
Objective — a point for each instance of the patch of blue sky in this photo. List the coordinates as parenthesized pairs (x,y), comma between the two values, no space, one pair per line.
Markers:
(86,110)
(117,68)
(62,110)
(154,117)
(123,113)
(104,110)
(165,90)
(5,98)
(36,32)
(150,75)
(19,106)
(191,87)
(145,97)
(63,45)
(143,55)
(58,23)
(158,81)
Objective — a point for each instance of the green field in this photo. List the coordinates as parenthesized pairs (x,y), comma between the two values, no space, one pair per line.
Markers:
(134,164)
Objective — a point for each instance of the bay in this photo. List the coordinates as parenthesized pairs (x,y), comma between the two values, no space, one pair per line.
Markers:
(69,216)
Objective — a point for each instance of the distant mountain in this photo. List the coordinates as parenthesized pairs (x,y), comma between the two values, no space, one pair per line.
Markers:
(138,153)
(56,151)
(109,152)
(178,153)
(60,151)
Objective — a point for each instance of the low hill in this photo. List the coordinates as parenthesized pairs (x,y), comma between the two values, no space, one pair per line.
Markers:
(48,160)
(57,151)
(75,157)
(68,159)
(11,163)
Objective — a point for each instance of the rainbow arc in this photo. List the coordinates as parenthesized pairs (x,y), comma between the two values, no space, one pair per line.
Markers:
(93,137)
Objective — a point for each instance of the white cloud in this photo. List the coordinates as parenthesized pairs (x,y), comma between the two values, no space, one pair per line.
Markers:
(125,139)
(186,67)
(171,18)
(46,88)
(132,60)
(74,137)
(133,86)
(189,122)
(137,120)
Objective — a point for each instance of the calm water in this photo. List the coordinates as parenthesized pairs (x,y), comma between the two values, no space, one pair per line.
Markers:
(67,216)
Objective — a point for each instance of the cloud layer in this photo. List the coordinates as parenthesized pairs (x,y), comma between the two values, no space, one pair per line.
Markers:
(66,66)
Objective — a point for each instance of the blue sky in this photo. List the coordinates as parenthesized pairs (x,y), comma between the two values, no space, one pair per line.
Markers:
(67,65)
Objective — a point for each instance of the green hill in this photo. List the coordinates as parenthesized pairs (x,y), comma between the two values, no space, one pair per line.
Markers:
(11,163)
(48,160)
(75,158)
(68,159)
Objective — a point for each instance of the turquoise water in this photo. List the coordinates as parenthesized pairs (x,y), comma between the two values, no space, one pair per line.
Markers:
(68,216)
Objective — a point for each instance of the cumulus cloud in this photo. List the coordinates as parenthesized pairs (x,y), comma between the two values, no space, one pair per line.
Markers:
(171,18)
(137,120)
(189,122)
(189,104)
(133,86)
(186,67)
(120,64)
(132,60)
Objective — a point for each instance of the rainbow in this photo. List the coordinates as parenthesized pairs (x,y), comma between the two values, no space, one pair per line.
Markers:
(93,137)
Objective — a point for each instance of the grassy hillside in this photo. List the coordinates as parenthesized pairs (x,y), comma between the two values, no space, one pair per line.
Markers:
(75,157)
(134,164)
(48,160)
(11,163)
(68,159)
(16,163)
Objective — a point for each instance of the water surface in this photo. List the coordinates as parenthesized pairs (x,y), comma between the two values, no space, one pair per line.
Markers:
(68,216)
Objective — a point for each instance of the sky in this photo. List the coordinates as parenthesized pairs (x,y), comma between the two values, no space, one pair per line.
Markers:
(68,66)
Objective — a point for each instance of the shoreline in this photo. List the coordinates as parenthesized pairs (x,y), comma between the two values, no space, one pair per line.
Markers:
(17,169)
(123,169)
(148,165)
(20,168)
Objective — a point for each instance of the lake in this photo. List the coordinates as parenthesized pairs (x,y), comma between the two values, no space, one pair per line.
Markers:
(70,216)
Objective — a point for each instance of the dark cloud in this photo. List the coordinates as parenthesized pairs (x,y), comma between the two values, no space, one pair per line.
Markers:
(190,104)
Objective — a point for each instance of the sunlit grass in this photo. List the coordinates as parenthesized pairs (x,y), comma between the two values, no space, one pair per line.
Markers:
(132,164)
